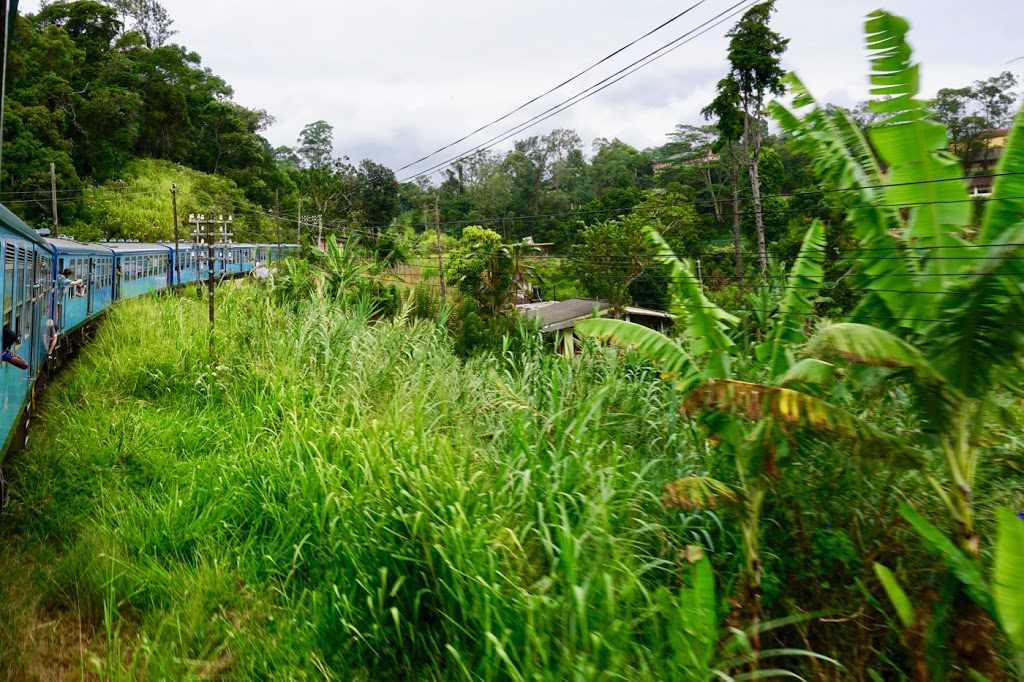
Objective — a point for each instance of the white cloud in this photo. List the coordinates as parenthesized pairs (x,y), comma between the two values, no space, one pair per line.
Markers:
(399,78)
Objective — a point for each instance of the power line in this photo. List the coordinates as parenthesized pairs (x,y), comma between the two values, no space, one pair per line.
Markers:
(711,203)
(557,87)
(594,89)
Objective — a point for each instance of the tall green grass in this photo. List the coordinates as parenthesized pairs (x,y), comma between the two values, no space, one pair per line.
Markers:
(330,497)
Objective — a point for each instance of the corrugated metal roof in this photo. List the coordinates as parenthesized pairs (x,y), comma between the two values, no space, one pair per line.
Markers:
(562,314)
(18,226)
(136,247)
(555,315)
(71,246)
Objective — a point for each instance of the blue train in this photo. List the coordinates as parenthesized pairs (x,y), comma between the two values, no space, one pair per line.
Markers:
(53,287)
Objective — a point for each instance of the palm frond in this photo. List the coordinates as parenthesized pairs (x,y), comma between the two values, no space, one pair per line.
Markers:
(866,345)
(923,176)
(704,322)
(808,372)
(1008,578)
(667,355)
(843,158)
(805,278)
(787,408)
(979,333)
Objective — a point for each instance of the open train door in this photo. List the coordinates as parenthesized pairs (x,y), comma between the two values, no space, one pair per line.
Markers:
(89,281)
(34,313)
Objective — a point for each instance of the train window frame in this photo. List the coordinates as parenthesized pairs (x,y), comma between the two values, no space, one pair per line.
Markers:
(17,313)
(8,284)
(24,318)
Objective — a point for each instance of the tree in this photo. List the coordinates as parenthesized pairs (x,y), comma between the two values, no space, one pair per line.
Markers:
(609,257)
(970,114)
(483,269)
(755,72)
(151,20)
(316,145)
(376,191)
(730,123)
(617,165)
(693,148)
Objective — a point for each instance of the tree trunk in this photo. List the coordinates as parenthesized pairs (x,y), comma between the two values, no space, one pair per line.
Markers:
(753,161)
(706,175)
(737,243)
(755,190)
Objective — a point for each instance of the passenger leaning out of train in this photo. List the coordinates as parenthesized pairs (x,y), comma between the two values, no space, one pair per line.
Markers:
(65,282)
(10,339)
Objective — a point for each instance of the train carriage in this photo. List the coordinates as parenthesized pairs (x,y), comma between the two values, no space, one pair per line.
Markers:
(142,267)
(26,281)
(242,258)
(93,265)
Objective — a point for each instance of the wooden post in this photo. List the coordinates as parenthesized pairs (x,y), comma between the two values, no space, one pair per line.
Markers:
(277,219)
(440,256)
(53,192)
(210,264)
(176,279)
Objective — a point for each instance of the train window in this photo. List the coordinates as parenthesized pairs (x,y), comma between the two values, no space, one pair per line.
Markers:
(25,292)
(17,290)
(8,283)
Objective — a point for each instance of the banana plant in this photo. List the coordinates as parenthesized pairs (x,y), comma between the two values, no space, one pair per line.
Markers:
(960,302)
(1002,597)
(752,422)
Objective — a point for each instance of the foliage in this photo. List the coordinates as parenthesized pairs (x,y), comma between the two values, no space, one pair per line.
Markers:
(610,256)
(482,268)
(755,72)
(970,114)
(137,205)
(333,497)
(73,98)
(338,276)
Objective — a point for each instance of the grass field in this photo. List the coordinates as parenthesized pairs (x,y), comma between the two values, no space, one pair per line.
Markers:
(333,498)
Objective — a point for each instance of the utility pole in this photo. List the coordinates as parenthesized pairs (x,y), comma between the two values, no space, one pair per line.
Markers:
(320,233)
(206,231)
(53,191)
(440,256)
(277,219)
(177,258)
(298,228)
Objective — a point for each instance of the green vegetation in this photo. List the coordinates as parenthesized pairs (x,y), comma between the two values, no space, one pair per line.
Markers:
(351,499)
(816,472)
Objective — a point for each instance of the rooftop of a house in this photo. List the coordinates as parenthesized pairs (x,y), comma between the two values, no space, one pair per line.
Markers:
(555,315)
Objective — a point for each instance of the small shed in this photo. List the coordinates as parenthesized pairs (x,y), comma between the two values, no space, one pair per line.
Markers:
(553,316)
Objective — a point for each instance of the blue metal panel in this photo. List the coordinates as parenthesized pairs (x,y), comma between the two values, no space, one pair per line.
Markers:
(73,305)
(141,268)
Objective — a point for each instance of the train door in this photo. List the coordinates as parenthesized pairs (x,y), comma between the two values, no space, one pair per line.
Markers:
(90,274)
(31,312)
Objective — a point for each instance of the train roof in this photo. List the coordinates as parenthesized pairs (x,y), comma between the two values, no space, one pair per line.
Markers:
(14,224)
(64,245)
(137,247)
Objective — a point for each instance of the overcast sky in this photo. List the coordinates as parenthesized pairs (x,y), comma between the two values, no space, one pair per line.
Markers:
(398,79)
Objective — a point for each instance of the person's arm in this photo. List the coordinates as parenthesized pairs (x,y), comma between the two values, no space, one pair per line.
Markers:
(17,361)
